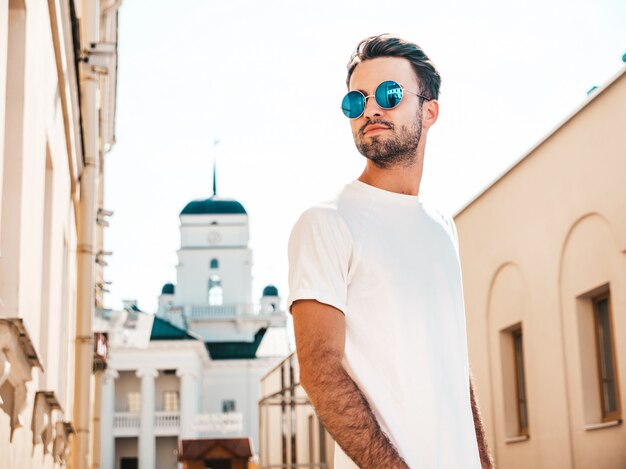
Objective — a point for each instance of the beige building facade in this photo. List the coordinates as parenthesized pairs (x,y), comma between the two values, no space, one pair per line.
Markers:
(543,251)
(57,106)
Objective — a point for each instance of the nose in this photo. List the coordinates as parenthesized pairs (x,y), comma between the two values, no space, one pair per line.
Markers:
(372,109)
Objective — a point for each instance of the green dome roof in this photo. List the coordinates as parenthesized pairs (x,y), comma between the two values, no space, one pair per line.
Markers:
(270,290)
(214,206)
(168,289)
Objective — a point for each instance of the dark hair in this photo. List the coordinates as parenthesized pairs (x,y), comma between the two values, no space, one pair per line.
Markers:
(386,45)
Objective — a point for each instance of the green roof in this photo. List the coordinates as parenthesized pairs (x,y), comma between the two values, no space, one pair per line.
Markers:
(235,350)
(214,206)
(168,289)
(164,330)
(270,290)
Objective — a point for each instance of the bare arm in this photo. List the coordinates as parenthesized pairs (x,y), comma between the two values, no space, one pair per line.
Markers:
(485,458)
(346,414)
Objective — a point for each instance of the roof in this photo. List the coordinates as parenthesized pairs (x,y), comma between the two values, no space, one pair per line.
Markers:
(590,98)
(190,450)
(270,290)
(214,206)
(168,289)
(165,330)
(235,350)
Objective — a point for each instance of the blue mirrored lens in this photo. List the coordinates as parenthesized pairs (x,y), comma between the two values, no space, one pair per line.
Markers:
(353,104)
(388,94)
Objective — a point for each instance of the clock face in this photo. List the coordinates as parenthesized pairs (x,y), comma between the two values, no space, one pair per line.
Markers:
(214,237)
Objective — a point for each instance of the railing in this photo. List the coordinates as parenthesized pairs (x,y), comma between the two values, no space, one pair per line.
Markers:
(230,422)
(125,420)
(202,312)
(166,419)
(227,311)
(129,422)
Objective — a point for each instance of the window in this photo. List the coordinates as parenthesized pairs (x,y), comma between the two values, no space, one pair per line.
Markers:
(215,264)
(322,437)
(170,401)
(311,439)
(607,369)
(216,294)
(514,383)
(134,402)
(520,382)
(228,406)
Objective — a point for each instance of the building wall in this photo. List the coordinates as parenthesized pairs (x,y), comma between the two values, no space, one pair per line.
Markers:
(534,247)
(232,227)
(167,453)
(125,448)
(165,383)
(236,380)
(126,382)
(194,272)
(205,237)
(37,215)
(41,164)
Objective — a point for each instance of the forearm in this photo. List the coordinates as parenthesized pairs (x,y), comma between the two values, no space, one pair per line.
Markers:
(347,416)
(485,457)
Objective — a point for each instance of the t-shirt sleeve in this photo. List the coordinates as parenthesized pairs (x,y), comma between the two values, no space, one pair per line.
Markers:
(320,250)
(455,234)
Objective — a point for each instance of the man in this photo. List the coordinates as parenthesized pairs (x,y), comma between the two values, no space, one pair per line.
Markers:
(375,286)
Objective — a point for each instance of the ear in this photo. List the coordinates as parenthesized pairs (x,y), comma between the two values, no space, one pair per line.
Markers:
(430,113)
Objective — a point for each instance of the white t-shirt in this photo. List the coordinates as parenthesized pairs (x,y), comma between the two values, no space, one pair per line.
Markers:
(391,265)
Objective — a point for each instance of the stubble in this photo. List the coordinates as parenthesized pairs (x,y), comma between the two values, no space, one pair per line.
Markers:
(399,149)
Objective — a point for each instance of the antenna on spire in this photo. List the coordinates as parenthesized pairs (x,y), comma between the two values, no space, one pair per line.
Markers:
(214,180)
(215,142)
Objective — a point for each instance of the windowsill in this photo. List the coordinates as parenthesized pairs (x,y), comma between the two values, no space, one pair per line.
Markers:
(598,426)
(517,439)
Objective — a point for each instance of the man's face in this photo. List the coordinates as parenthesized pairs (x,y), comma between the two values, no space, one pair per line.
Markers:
(387,137)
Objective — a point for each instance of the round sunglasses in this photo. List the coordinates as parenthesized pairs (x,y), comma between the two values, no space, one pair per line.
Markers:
(388,95)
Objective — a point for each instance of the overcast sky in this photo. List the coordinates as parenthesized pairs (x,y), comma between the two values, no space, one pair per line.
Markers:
(267,78)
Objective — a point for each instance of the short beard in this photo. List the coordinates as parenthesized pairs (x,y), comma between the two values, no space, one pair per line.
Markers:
(397,150)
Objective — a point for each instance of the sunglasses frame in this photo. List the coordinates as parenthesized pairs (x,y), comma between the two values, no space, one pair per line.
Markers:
(365,98)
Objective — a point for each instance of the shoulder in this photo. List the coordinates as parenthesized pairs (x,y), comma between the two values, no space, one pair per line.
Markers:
(321,220)
(327,215)
(445,220)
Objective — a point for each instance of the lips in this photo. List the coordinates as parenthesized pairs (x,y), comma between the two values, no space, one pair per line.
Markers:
(375,127)
(371,126)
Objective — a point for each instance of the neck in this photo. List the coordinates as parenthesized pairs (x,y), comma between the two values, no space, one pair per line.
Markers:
(401,179)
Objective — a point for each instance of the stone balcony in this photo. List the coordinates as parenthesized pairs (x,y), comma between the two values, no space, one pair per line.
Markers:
(126,424)
(229,311)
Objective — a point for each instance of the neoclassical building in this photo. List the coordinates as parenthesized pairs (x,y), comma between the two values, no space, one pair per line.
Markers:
(543,251)
(57,108)
(182,385)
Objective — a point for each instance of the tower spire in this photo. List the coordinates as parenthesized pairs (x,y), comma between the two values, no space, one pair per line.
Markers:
(215,142)
(214,179)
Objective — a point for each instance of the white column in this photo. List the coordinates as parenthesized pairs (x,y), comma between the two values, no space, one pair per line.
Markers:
(147,443)
(188,401)
(107,410)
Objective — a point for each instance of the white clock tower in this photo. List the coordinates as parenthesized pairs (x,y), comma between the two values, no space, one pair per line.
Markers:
(214,261)
(213,293)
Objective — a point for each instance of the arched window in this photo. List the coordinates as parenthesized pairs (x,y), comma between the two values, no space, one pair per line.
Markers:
(215,264)
(216,294)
